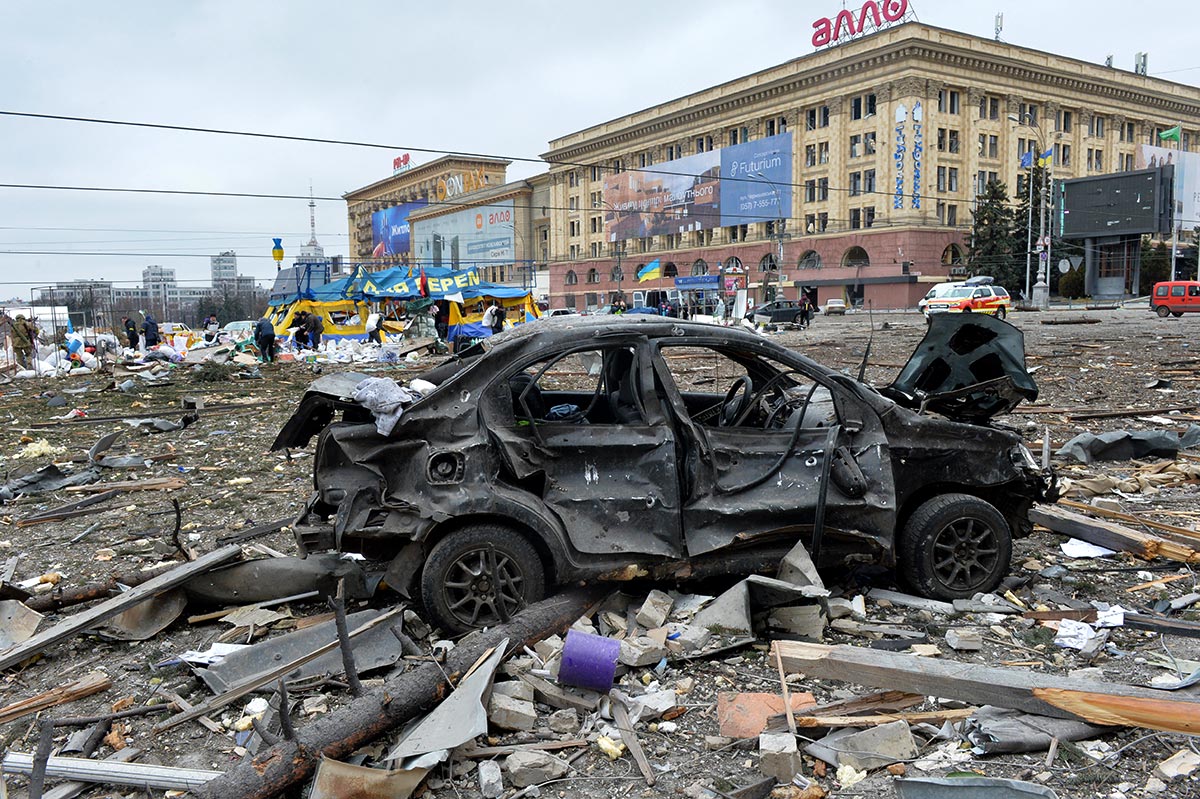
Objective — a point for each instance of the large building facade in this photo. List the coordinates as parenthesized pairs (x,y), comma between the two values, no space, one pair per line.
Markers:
(848,173)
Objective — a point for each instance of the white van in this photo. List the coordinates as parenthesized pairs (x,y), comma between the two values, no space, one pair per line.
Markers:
(940,290)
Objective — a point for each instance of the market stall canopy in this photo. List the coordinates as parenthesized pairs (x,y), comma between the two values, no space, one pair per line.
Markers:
(404,283)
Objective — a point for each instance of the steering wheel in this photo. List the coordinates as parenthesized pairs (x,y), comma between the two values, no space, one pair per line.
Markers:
(736,402)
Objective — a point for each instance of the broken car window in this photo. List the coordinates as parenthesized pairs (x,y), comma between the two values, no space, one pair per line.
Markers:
(596,386)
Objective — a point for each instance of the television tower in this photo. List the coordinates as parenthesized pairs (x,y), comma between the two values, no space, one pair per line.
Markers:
(312,218)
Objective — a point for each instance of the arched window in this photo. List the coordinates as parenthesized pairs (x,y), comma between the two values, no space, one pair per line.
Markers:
(952,255)
(810,260)
(700,267)
(593,276)
(856,257)
(572,278)
(734,264)
(768,263)
(670,270)
(617,275)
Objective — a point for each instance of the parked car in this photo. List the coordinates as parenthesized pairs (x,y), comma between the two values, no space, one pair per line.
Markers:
(834,307)
(992,300)
(1175,297)
(940,290)
(591,448)
(241,329)
(560,312)
(778,311)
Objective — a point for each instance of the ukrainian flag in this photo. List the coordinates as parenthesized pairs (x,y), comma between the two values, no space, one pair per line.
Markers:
(1046,158)
(650,271)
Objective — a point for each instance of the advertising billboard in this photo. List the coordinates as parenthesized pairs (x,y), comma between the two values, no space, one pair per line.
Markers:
(1187,180)
(390,229)
(689,194)
(472,236)
(1120,204)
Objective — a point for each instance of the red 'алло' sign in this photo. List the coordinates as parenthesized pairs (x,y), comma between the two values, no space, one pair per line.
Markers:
(830,30)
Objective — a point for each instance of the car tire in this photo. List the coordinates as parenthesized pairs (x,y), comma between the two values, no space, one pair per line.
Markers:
(1177,314)
(1001,313)
(1163,311)
(798,319)
(456,586)
(967,533)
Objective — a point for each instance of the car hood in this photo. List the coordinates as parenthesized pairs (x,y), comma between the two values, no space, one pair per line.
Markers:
(969,368)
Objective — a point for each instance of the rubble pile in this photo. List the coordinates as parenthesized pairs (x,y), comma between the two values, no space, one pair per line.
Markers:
(181,646)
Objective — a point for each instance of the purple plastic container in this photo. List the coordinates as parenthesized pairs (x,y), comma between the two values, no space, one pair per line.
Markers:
(589,661)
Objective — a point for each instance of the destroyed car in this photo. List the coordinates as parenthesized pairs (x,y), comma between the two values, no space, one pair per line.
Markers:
(616,448)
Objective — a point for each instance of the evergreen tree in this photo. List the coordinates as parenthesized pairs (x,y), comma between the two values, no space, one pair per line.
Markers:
(996,249)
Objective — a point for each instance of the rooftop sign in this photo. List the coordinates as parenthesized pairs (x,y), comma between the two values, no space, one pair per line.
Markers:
(872,17)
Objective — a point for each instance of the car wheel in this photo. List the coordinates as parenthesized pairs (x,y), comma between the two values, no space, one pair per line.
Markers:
(1163,311)
(798,319)
(1001,313)
(1177,314)
(474,573)
(954,546)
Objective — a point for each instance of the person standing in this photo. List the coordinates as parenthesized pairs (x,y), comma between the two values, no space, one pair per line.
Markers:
(23,337)
(264,338)
(489,318)
(314,325)
(373,323)
(211,328)
(150,331)
(131,331)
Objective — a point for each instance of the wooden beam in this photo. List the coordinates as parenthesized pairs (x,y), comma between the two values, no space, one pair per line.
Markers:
(1111,535)
(1128,412)
(1019,689)
(92,683)
(1181,534)
(937,717)
(153,484)
(88,619)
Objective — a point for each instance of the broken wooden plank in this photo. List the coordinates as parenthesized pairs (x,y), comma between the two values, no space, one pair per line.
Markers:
(1128,412)
(1111,535)
(91,683)
(1181,534)
(152,484)
(1161,624)
(1020,689)
(70,510)
(937,717)
(1058,615)
(88,619)
(914,602)
(629,736)
(273,770)
(257,531)
(113,772)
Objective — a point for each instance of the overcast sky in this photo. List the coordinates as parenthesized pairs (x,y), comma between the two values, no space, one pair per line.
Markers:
(489,77)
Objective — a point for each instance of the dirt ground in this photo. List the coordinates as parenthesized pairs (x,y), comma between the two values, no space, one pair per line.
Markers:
(1087,361)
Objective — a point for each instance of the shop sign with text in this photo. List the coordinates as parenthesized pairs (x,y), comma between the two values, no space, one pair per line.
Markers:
(871,17)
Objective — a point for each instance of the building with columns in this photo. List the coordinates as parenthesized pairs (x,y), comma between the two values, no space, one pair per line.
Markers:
(850,172)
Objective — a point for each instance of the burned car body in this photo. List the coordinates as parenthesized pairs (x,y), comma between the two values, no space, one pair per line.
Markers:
(619,447)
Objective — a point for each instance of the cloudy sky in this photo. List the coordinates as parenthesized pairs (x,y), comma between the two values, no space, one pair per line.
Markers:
(488,77)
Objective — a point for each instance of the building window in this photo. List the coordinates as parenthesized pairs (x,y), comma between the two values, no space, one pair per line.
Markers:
(574,251)
(954,141)
(952,181)
(573,178)
(941,140)
(947,140)
(573,202)
(818,117)
(776,125)
(941,178)
(671,152)
(810,191)
(617,166)
(855,184)
(855,146)
(810,155)
(993,150)
(869,181)
(810,260)
(822,222)
(1129,160)
(952,215)
(1064,121)
(823,189)
(1095,162)
(738,232)
(593,275)
(941,212)
(1125,133)
(869,216)
(823,152)
(1029,110)
(862,107)
(572,278)
(1064,154)
(855,219)
(869,143)
(948,101)
(699,267)
(989,107)
(595,249)
(569,300)
(1096,127)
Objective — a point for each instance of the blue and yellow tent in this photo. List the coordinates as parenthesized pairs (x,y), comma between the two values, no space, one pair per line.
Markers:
(341,304)
(466,320)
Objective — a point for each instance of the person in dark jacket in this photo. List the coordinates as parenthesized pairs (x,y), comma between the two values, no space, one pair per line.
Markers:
(264,337)
(150,331)
(131,331)
(314,325)
(24,336)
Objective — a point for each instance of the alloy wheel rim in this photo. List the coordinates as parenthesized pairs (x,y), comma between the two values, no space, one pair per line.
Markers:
(965,552)
(475,592)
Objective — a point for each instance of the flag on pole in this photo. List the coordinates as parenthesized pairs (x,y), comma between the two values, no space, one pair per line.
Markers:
(1046,158)
(1027,159)
(650,271)
(1171,135)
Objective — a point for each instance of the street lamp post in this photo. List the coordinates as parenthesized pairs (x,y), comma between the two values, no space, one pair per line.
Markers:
(778,233)
(1040,293)
(618,249)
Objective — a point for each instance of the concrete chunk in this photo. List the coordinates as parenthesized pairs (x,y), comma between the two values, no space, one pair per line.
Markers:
(805,621)
(511,713)
(655,609)
(797,568)
(517,689)
(641,651)
(1180,764)
(964,639)
(533,768)
(778,756)
(491,781)
(564,721)
(878,746)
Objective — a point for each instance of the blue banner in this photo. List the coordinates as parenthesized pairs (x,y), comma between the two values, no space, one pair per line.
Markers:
(698,282)
(757,185)
(390,231)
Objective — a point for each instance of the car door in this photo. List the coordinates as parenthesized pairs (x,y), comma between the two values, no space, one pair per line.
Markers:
(607,469)
(822,471)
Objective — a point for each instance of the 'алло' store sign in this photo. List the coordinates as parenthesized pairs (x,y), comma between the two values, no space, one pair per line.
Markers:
(871,17)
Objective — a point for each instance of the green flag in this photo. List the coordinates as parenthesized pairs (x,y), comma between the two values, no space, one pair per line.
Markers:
(1172,134)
